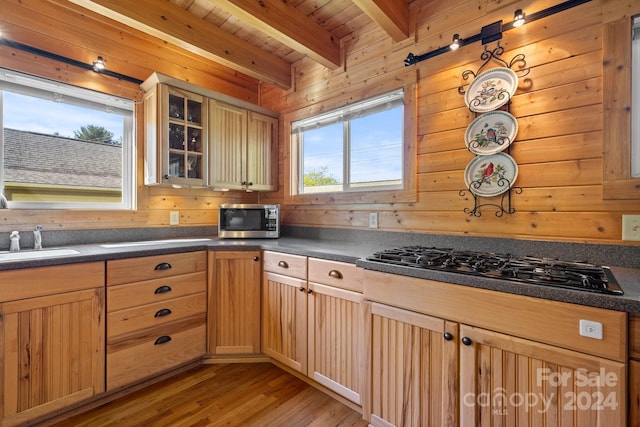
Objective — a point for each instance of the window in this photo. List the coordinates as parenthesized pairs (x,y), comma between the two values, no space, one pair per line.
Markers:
(355,148)
(64,147)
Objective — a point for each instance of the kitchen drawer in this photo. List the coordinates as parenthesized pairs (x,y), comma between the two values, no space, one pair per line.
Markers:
(285,264)
(152,267)
(133,360)
(150,315)
(41,281)
(156,290)
(334,273)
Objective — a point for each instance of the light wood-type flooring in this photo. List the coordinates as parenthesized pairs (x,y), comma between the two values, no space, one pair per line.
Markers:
(247,394)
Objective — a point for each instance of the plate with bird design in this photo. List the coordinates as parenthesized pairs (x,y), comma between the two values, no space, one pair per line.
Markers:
(490,133)
(490,175)
(491,89)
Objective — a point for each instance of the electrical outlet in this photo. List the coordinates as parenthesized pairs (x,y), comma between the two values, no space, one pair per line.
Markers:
(630,227)
(591,329)
(174,218)
(373,220)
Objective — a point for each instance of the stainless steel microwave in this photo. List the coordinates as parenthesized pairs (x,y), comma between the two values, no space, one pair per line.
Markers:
(249,221)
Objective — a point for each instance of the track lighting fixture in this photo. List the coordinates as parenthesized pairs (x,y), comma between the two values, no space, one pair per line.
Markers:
(98,65)
(518,18)
(455,43)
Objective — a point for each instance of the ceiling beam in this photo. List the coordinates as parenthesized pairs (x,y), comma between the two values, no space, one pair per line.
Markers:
(285,23)
(391,15)
(175,25)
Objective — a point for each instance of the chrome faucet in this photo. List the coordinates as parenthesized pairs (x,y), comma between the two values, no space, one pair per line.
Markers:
(14,246)
(37,237)
(3,202)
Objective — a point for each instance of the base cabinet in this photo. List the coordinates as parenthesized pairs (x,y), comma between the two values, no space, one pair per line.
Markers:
(156,317)
(508,372)
(52,346)
(234,302)
(414,367)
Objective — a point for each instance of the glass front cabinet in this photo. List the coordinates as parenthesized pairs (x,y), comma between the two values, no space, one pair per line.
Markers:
(176,137)
(193,139)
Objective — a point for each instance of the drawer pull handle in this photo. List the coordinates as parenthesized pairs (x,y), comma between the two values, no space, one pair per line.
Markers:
(163,266)
(162,313)
(162,340)
(163,289)
(335,274)
(283,264)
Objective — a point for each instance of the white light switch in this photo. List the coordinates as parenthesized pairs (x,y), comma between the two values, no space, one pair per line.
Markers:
(174,218)
(373,220)
(591,329)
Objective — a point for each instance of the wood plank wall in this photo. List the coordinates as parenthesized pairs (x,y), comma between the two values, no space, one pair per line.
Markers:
(68,30)
(558,107)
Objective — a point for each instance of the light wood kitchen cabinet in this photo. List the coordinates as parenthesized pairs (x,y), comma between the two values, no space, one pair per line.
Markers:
(156,315)
(52,339)
(335,325)
(234,302)
(414,368)
(242,148)
(284,309)
(175,135)
(313,320)
(634,369)
(521,360)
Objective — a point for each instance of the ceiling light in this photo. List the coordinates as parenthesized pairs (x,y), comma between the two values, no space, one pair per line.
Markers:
(518,18)
(455,43)
(98,65)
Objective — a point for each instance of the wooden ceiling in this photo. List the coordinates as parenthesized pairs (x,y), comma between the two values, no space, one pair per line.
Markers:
(259,38)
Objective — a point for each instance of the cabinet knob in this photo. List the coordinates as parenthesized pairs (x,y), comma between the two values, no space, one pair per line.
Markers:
(162,340)
(163,266)
(301,289)
(466,341)
(162,313)
(162,289)
(448,336)
(256,258)
(283,264)
(335,274)
(309,291)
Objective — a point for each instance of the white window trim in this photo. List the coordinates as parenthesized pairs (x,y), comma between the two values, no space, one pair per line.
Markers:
(344,115)
(48,89)
(635,99)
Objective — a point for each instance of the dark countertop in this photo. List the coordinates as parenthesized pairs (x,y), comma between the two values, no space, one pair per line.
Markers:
(349,252)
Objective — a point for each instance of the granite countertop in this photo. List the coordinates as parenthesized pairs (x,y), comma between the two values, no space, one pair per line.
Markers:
(353,252)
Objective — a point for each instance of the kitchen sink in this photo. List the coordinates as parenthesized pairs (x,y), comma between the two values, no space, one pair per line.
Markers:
(42,253)
(152,242)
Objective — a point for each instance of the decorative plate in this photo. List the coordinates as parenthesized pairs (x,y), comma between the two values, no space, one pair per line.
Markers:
(491,133)
(490,175)
(491,89)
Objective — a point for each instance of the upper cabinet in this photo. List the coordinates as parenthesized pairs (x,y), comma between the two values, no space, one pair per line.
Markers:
(196,137)
(242,148)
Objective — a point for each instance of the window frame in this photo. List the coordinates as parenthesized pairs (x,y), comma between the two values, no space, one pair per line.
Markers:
(407,194)
(618,182)
(29,85)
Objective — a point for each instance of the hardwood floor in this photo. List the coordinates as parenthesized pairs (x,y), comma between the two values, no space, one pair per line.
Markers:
(224,395)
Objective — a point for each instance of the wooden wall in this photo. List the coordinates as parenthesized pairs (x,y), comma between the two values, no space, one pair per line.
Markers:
(68,30)
(559,108)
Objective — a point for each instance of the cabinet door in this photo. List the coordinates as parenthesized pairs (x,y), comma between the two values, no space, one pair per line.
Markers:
(510,381)
(336,339)
(413,369)
(234,305)
(261,163)
(227,145)
(284,320)
(53,353)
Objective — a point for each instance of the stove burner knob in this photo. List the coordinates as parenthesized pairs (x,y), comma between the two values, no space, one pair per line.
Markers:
(448,336)
(466,341)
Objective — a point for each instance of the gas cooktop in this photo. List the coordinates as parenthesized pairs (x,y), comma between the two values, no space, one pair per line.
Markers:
(577,275)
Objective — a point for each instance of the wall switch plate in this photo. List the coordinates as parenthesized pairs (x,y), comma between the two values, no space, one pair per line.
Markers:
(373,220)
(174,218)
(630,227)
(591,329)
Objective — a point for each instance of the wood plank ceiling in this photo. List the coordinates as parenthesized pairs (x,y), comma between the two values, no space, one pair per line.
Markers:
(259,38)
